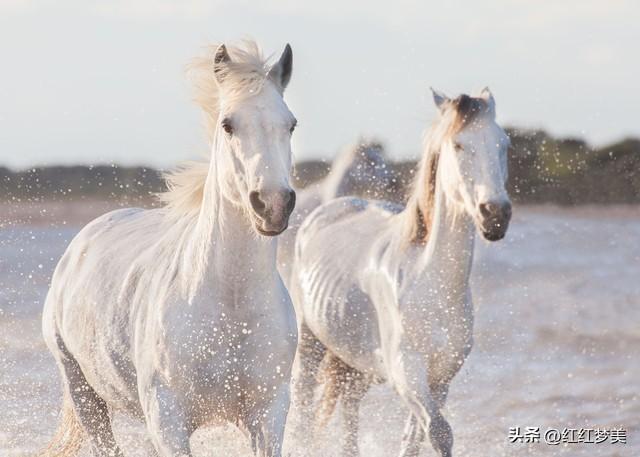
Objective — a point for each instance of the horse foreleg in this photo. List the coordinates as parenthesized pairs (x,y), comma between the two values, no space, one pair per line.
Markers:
(267,431)
(440,432)
(413,433)
(424,403)
(412,437)
(167,423)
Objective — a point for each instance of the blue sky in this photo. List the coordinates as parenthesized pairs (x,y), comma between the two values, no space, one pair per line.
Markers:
(95,82)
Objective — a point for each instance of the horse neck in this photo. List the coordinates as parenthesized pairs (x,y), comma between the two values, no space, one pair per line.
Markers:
(224,245)
(449,248)
(448,252)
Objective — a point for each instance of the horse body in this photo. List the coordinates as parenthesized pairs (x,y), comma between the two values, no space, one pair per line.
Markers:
(170,316)
(330,313)
(346,319)
(383,292)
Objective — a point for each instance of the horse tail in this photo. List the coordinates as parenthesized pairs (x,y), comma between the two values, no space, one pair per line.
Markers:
(338,378)
(69,436)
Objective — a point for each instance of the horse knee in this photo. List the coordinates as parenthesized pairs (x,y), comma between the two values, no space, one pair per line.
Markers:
(303,386)
(275,416)
(439,393)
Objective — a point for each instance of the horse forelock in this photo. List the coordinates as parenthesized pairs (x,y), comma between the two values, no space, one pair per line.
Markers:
(244,75)
(465,110)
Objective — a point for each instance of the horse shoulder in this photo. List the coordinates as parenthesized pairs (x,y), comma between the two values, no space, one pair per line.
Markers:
(86,287)
(82,246)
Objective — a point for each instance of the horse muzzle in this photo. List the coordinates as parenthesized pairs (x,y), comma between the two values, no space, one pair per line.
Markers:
(272,210)
(495,218)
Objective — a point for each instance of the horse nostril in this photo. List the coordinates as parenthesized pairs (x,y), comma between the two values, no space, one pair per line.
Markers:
(256,203)
(493,209)
(290,201)
(486,209)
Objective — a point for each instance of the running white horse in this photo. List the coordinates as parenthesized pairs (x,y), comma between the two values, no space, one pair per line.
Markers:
(359,170)
(382,293)
(178,315)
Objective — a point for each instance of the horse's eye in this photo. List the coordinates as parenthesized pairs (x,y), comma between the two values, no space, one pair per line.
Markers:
(458,147)
(226,126)
(293,126)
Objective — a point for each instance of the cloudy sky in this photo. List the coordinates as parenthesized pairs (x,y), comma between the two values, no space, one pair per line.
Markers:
(94,82)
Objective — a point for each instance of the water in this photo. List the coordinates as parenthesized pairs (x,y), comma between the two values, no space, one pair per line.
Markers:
(557,343)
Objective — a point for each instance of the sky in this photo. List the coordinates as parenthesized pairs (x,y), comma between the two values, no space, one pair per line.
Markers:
(90,82)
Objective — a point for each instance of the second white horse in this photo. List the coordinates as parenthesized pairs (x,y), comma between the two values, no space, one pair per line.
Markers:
(382,293)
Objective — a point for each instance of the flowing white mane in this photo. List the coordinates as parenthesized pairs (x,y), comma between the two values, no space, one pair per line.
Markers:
(453,118)
(246,75)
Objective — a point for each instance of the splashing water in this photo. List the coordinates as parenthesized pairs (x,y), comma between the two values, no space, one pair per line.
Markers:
(556,341)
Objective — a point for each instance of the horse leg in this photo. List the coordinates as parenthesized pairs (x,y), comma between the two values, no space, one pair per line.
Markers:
(413,386)
(439,429)
(91,410)
(413,433)
(309,356)
(167,422)
(356,388)
(412,437)
(267,432)
(149,449)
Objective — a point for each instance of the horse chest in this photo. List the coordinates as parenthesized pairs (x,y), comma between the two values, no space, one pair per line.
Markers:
(235,369)
(229,353)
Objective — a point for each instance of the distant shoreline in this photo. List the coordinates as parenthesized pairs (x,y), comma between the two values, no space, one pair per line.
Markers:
(542,169)
(78,212)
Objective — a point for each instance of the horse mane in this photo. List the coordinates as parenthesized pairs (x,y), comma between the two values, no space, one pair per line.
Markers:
(346,160)
(248,71)
(455,115)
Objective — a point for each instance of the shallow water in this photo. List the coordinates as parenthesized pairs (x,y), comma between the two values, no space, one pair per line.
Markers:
(557,344)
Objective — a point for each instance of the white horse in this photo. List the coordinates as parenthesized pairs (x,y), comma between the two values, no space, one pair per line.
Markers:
(382,293)
(360,170)
(178,315)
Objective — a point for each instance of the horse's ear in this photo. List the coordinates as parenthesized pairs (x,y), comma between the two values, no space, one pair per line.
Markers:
(487,96)
(439,98)
(221,61)
(280,73)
